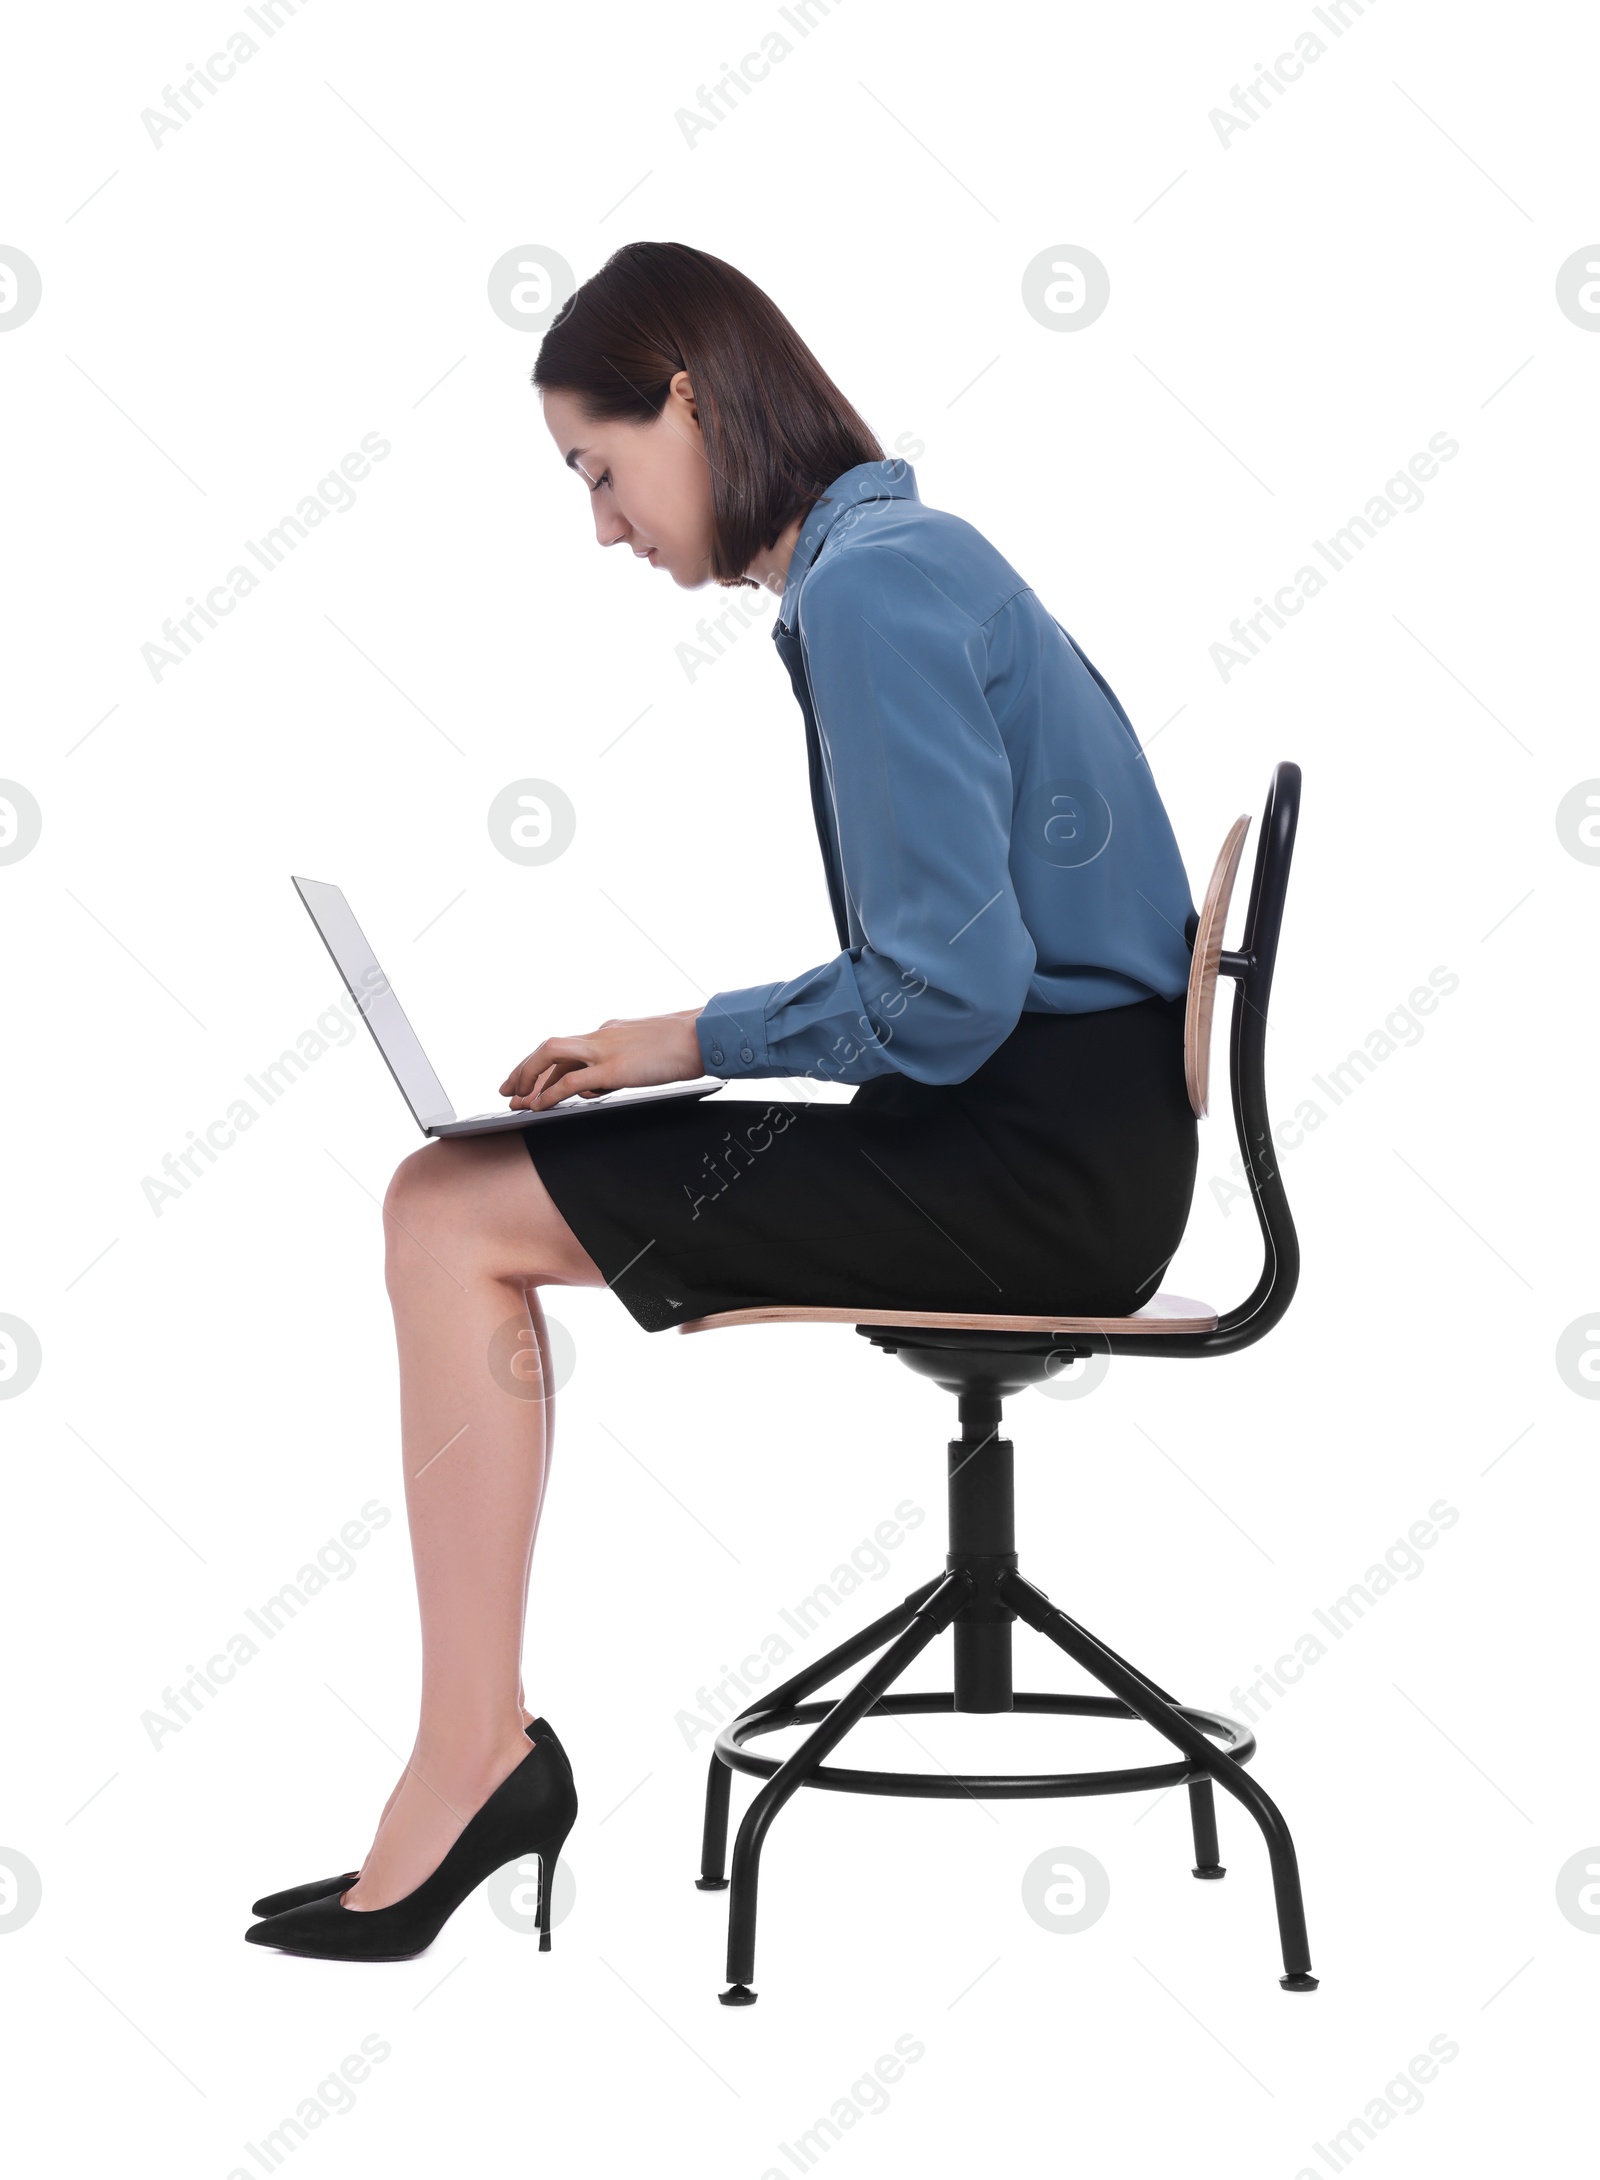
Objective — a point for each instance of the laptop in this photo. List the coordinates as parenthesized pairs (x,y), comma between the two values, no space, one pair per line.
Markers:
(410,1065)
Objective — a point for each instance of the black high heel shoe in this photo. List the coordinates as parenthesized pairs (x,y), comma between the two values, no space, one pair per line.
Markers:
(275,1903)
(531,1811)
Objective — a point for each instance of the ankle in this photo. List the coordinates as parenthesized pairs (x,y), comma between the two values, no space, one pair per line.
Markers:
(469,1761)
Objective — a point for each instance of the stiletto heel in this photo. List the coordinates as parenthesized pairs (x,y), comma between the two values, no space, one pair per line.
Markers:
(531,1811)
(549,1859)
(276,1903)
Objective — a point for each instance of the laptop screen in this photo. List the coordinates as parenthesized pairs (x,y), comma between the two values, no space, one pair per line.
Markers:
(376,1002)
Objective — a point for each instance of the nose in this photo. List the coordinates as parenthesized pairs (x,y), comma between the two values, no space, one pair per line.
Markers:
(611,526)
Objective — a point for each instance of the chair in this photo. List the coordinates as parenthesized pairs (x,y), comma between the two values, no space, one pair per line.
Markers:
(982,1360)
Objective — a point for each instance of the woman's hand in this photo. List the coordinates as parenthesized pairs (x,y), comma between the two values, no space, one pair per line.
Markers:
(619,1055)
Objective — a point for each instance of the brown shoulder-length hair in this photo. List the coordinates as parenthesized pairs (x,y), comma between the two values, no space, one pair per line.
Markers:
(777,430)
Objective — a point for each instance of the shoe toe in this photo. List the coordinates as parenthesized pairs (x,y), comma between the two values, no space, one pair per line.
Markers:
(293,1896)
(315,1927)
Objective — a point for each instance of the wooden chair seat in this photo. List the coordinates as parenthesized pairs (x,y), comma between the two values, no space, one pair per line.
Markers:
(1166,1313)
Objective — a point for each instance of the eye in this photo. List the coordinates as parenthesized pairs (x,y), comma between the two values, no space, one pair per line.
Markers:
(603,478)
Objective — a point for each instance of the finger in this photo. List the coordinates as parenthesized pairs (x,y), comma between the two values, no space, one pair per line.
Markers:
(568,1051)
(529,1088)
(521,1085)
(521,1077)
(574,1082)
(542,1078)
(547,1088)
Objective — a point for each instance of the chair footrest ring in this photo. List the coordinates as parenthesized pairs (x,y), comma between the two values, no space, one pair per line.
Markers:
(1236,1741)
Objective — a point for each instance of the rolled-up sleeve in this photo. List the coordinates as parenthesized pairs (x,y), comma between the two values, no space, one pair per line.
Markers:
(922,796)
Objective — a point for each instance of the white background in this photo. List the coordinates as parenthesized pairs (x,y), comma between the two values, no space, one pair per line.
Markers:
(1292,316)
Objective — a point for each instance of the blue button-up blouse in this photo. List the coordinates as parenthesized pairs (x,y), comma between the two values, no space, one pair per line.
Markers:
(992,837)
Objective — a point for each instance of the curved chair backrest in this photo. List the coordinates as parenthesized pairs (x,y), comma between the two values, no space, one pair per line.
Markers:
(1251,968)
(1257,957)
(1203,969)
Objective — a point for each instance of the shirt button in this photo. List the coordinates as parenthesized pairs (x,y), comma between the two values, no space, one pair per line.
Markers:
(716,1055)
(746,1054)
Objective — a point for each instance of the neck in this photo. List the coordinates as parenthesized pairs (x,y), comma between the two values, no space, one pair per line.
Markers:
(771,568)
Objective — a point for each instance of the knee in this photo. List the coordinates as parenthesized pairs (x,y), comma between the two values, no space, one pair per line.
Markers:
(419,1216)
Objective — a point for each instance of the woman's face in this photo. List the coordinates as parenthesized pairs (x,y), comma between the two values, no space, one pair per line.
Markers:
(650,484)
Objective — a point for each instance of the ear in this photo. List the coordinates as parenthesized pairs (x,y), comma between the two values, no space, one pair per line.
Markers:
(681,391)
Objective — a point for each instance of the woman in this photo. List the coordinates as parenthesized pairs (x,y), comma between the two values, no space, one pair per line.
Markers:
(1011,911)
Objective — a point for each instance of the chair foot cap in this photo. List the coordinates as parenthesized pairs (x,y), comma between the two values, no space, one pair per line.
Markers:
(711,1884)
(1217,1869)
(738,1994)
(1301,1982)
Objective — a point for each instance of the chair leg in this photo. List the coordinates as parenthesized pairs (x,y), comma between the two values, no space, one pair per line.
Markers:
(714,1842)
(1203,1817)
(1156,1710)
(929,1619)
(1202,1803)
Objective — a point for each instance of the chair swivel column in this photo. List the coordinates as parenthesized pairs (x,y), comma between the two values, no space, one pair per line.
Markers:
(983,1545)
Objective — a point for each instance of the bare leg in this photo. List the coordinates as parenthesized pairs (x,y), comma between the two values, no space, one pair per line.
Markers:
(541,1333)
(542,1336)
(471,1232)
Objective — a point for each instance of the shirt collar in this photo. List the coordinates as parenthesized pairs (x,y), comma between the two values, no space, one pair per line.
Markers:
(893,479)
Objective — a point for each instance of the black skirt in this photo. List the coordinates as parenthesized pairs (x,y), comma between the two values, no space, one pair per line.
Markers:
(1055,1180)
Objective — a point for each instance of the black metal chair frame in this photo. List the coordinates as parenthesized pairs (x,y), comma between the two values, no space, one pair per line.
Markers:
(981,1593)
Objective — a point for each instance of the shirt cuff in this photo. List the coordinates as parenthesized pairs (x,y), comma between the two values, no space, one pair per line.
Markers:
(731,1030)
